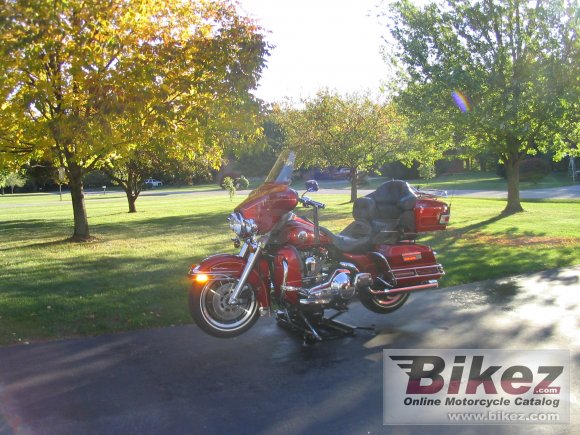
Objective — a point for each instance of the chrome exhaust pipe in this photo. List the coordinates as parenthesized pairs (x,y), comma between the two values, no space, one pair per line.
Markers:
(428,286)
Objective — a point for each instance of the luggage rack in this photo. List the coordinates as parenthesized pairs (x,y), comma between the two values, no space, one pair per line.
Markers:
(430,193)
(431,271)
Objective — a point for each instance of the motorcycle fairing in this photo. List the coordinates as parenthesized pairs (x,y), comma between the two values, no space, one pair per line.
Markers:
(267,205)
(231,266)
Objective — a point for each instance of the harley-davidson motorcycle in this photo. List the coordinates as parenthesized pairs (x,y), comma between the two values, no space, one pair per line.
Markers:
(302,269)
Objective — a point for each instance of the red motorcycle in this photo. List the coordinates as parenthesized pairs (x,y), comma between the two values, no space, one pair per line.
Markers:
(302,269)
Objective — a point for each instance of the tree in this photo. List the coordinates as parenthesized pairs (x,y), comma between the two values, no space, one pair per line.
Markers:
(225,124)
(14,179)
(352,131)
(3,179)
(499,76)
(88,82)
(130,171)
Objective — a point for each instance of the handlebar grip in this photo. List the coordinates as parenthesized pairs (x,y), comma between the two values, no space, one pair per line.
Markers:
(307,201)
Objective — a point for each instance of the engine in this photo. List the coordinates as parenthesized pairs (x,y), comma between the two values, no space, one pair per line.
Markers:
(315,267)
(326,281)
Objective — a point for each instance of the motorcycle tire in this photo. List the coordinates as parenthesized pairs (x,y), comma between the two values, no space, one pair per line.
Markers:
(382,304)
(211,312)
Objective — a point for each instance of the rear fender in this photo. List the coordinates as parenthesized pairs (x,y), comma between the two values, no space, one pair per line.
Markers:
(231,266)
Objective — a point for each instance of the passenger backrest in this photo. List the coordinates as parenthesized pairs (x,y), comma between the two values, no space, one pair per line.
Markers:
(364,209)
(395,201)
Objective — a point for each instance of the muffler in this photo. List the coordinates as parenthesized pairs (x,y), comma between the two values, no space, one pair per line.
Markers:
(433,284)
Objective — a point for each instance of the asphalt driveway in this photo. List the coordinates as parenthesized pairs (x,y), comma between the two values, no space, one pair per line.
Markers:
(180,381)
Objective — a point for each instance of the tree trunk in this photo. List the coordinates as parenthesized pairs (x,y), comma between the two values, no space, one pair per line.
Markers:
(81,229)
(353,184)
(131,190)
(512,167)
(131,199)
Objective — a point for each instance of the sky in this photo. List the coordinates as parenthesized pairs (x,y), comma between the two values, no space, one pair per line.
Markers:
(332,44)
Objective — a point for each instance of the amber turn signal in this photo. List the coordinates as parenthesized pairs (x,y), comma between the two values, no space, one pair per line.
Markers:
(201,277)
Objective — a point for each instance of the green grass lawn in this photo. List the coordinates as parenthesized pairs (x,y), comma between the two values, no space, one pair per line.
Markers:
(135,274)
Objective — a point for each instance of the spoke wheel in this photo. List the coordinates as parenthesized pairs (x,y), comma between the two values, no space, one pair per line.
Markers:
(211,310)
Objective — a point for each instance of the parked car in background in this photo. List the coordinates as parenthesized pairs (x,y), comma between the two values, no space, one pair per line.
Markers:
(151,183)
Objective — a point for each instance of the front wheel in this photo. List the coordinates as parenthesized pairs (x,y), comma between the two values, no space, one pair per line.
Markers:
(382,304)
(211,311)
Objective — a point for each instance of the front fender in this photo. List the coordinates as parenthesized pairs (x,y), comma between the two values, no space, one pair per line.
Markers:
(231,266)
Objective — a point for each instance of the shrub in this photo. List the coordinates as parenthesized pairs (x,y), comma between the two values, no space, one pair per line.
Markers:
(241,183)
(96,179)
(228,184)
(534,169)
(427,171)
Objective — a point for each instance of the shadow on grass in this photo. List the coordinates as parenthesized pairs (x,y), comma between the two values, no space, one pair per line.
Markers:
(164,226)
(35,232)
(88,295)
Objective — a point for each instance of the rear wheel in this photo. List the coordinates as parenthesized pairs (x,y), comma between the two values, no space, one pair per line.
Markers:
(382,304)
(212,312)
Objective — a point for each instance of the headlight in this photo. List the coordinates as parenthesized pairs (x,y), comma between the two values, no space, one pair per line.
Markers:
(242,227)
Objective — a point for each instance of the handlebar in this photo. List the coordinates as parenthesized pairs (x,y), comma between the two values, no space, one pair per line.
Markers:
(305,201)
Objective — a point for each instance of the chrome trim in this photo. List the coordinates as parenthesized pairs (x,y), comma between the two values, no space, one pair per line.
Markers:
(283,287)
(241,226)
(363,280)
(348,266)
(284,272)
(213,276)
(252,259)
(430,193)
(310,265)
(389,269)
(415,269)
(430,285)
(325,292)
(243,250)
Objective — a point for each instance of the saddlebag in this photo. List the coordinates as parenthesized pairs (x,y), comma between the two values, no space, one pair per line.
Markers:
(412,263)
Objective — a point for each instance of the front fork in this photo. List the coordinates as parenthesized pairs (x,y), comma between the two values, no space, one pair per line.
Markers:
(252,259)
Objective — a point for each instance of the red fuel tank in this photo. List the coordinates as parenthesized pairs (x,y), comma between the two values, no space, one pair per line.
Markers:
(299,232)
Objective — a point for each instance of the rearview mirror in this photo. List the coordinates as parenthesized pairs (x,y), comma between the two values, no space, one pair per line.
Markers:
(312,186)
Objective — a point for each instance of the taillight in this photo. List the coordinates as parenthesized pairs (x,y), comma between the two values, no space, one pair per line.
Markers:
(412,256)
(444,219)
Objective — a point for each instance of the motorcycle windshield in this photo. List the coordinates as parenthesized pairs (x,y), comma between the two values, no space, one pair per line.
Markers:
(281,172)
(267,204)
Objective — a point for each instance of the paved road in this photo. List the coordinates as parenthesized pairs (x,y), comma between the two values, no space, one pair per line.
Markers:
(181,381)
(565,192)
